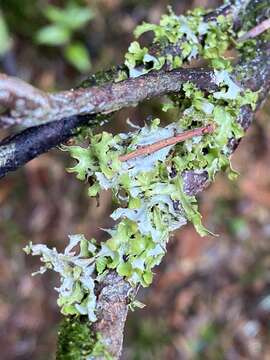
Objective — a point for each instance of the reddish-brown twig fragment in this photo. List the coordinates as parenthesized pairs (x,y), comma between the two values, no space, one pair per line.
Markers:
(257,30)
(149,149)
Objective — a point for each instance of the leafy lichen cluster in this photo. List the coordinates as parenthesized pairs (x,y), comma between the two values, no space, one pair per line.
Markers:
(185,34)
(149,190)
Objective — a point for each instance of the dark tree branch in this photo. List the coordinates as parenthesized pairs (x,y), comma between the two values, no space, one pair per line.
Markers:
(17,150)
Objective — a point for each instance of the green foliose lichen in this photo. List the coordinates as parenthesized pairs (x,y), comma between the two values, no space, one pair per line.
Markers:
(150,190)
(180,40)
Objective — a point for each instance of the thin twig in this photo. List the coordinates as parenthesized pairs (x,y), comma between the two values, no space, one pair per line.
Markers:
(173,140)
(256,31)
(28,106)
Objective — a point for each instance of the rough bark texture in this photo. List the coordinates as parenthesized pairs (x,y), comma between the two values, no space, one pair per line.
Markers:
(17,150)
(94,100)
(112,312)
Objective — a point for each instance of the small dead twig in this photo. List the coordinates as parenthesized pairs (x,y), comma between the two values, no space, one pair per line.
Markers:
(173,140)
(256,31)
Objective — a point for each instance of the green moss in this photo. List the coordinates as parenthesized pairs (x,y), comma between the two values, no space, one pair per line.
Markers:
(103,77)
(76,341)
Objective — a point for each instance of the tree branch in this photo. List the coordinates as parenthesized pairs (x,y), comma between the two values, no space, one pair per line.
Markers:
(21,148)
(102,99)
(112,309)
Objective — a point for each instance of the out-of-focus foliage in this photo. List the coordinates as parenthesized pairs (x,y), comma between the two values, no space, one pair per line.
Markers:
(5,40)
(64,22)
(49,25)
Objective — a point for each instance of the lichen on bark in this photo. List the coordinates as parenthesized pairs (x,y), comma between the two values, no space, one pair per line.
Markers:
(109,315)
(78,339)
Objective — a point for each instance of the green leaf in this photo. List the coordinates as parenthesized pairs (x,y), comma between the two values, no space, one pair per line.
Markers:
(124,269)
(78,56)
(53,35)
(5,39)
(73,17)
(94,190)
(148,278)
(101,264)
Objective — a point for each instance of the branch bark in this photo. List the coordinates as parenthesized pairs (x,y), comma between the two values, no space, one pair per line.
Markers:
(31,107)
(112,309)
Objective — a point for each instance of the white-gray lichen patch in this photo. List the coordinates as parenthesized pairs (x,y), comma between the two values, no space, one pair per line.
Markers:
(7,153)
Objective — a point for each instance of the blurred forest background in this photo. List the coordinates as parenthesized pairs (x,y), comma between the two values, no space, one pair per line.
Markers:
(211,296)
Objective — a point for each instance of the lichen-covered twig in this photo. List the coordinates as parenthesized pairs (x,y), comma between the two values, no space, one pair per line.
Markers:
(112,309)
(193,182)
